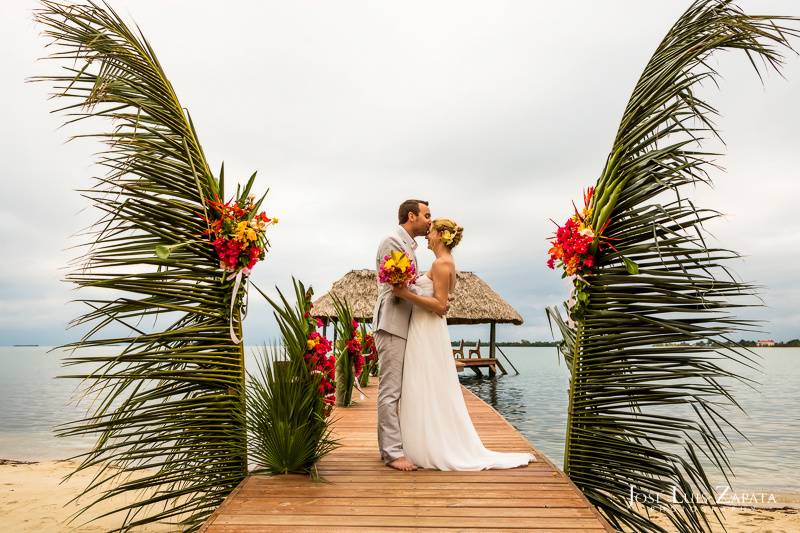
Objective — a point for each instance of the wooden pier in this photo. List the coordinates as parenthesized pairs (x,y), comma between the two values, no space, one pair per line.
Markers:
(490,363)
(360,494)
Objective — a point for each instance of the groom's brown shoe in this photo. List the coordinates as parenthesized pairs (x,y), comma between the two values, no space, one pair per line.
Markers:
(401,463)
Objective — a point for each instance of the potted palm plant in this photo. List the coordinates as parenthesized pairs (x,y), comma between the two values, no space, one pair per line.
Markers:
(291,395)
(349,360)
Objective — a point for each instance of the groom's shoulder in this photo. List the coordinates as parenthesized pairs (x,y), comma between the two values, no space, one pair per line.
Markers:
(390,238)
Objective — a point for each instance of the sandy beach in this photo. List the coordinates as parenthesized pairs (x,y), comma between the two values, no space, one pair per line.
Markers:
(753,520)
(33,500)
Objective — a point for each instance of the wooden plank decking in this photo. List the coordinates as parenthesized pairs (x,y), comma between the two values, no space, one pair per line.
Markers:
(360,494)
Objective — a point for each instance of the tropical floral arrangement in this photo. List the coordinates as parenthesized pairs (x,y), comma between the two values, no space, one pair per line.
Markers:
(320,360)
(574,249)
(238,233)
(369,352)
(235,229)
(353,347)
(349,359)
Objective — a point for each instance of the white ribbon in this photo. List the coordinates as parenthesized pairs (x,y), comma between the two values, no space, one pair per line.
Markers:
(238,275)
(360,391)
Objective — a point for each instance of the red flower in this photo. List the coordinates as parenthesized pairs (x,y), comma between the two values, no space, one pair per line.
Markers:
(354,346)
(221,227)
(254,255)
(570,248)
(323,347)
(358,365)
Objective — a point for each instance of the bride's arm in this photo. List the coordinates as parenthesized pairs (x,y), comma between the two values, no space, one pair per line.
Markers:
(438,303)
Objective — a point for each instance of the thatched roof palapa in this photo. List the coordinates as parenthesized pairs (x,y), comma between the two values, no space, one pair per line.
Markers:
(474,302)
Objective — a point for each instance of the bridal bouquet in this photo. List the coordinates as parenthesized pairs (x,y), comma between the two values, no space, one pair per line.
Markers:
(398,270)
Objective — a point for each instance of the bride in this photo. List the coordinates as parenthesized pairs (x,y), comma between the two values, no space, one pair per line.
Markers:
(435,424)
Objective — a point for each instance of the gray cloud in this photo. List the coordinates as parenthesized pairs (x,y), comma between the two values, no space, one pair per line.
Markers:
(498,113)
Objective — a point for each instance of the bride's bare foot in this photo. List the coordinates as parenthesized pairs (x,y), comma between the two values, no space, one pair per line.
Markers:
(401,463)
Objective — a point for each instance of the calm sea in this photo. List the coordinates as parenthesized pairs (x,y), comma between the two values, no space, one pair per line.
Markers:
(32,403)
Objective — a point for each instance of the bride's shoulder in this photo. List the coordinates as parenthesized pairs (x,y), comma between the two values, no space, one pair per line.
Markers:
(443,264)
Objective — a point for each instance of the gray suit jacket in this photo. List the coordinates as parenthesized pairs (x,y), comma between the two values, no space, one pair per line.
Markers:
(389,316)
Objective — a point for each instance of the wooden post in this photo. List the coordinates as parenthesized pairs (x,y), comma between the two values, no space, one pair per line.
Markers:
(492,339)
(492,351)
(325,327)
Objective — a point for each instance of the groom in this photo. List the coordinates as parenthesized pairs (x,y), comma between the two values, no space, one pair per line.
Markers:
(390,322)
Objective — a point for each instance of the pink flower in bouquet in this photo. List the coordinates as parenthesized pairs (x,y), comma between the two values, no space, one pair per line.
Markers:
(397,269)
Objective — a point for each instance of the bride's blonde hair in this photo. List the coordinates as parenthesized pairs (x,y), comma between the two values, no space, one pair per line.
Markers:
(450,231)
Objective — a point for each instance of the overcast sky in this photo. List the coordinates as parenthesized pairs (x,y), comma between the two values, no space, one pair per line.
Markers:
(498,113)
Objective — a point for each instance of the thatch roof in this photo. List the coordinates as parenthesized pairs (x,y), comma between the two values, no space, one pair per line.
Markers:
(474,302)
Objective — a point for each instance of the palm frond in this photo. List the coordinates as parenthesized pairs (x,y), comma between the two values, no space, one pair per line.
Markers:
(642,416)
(287,413)
(289,432)
(293,319)
(169,403)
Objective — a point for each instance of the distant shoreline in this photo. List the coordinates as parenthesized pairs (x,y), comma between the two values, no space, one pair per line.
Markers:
(510,344)
(550,344)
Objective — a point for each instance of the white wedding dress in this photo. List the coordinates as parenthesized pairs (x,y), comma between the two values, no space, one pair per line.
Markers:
(435,424)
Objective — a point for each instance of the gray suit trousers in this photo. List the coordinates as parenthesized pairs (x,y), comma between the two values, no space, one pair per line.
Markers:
(391,353)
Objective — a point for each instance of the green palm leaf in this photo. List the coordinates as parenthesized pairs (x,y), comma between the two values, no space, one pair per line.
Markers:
(345,370)
(287,416)
(169,413)
(643,416)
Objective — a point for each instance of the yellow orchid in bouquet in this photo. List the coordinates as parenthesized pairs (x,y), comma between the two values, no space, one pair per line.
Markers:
(397,270)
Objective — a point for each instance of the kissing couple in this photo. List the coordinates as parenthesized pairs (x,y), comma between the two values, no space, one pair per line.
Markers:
(422,417)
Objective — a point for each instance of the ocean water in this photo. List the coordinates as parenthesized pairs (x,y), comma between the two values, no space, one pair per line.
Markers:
(33,402)
(535,402)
